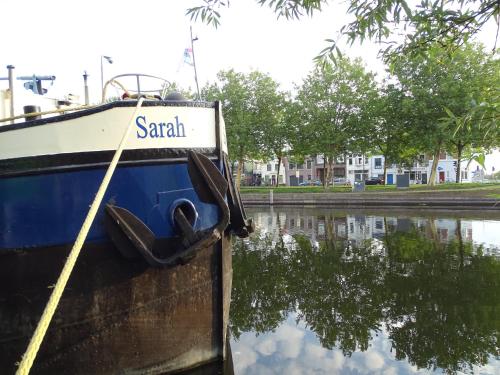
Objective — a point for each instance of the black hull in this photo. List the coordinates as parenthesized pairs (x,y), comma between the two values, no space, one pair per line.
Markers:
(116,315)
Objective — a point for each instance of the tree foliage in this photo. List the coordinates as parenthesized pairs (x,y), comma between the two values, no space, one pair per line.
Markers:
(439,83)
(422,23)
(390,130)
(334,105)
(438,302)
(253,114)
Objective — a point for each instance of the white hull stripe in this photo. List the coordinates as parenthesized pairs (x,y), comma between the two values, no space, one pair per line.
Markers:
(155,127)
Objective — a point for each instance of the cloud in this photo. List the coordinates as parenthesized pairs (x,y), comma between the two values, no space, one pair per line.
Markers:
(243,357)
(373,360)
(289,340)
(338,359)
(315,351)
(266,347)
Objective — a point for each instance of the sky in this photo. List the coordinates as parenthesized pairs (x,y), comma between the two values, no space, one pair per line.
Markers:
(293,348)
(65,39)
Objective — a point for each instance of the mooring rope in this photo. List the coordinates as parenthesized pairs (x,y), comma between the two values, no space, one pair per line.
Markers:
(43,324)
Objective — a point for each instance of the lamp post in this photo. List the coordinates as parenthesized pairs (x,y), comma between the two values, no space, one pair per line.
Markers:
(194,62)
(109,60)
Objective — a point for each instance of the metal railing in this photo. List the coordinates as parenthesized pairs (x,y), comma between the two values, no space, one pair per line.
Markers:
(138,91)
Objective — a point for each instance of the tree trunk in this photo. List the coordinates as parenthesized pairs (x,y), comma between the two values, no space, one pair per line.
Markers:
(432,178)
(409,170)
(460,148)
(285,165)
(324,171)
(232,167)
(238,173)
(433,231)
(278,171)
(330,171)
(385,170)
(460,243)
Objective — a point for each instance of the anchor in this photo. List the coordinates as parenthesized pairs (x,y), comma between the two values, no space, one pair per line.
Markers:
(133,238)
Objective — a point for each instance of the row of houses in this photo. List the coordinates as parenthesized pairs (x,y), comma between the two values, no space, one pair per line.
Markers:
(360,228)
(353,168)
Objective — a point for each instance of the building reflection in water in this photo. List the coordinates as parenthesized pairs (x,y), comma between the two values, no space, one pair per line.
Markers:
(332,292)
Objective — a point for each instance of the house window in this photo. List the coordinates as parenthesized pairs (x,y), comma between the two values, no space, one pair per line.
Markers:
(309,164)
(269,167)
(378,163)
(309,177)
(300,166)
(359,160)
(464,175)
(350,161)
(292,166)
(276,167)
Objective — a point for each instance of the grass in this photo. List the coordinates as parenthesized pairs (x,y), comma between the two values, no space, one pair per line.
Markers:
(374,188)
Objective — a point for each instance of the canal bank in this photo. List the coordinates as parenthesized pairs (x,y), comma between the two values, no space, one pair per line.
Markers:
(441,200)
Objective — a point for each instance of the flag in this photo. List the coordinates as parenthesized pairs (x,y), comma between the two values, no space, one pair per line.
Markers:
(188,56)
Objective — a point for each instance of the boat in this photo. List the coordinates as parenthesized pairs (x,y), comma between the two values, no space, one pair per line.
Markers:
(151,290)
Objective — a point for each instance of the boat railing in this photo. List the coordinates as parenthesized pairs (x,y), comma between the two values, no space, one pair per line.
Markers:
(138,91)
(43,113)
(158,93)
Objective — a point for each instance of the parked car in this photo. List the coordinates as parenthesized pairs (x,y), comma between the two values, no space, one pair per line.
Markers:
(374,181)
(341,181)
(311,183)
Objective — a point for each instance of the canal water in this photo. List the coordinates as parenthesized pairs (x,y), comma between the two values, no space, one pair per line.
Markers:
(326,291)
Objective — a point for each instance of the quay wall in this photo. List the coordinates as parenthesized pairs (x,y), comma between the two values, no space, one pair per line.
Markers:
(359,200)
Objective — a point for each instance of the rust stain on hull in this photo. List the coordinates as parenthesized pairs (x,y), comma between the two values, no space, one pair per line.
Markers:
(116,315)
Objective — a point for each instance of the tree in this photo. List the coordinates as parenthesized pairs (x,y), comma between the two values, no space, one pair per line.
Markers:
(278,134)
(448,23)
(252,105)
(437,83)
(390,131)
(334,101)
(476,128)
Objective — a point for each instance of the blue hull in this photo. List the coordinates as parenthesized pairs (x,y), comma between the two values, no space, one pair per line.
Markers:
(48,209)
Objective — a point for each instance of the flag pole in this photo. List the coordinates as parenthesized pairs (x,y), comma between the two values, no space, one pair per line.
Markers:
(194,62)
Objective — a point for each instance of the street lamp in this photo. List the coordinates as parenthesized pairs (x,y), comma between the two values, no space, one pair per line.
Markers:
(109,60)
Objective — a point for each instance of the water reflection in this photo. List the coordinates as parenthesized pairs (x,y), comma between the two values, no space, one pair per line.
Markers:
(346,293)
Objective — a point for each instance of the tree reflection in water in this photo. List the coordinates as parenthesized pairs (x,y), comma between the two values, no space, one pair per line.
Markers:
(438,301)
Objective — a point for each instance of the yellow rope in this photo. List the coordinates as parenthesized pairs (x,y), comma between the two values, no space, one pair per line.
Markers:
(43,324)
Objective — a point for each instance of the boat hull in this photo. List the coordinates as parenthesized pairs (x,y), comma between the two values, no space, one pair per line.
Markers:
(116,316)
(151,288)
(48,209)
